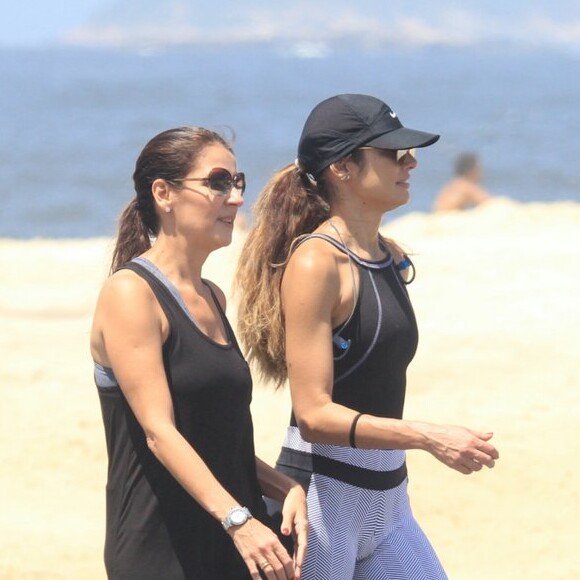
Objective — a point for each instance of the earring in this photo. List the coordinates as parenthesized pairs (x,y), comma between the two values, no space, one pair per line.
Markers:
(167,209)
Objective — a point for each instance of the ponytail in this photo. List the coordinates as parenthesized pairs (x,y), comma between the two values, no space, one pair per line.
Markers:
(133,237)
(290,206)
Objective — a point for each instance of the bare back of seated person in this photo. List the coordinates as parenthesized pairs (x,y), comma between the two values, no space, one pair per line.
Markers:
(460,193)
(463,191)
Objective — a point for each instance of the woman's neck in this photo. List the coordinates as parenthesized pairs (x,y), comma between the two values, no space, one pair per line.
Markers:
(178,264)
(359,236)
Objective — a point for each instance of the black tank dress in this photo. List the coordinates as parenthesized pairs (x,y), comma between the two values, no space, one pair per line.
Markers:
(154,529)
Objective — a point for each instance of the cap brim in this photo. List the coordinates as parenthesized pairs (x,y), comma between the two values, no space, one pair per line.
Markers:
(403,138)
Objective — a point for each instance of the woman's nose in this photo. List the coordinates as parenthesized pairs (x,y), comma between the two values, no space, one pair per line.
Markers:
(236,197)
(408,161)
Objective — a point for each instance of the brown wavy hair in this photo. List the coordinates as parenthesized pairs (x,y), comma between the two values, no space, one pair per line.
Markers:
(289,207)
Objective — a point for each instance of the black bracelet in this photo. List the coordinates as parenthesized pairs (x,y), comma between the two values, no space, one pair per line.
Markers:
(351,436)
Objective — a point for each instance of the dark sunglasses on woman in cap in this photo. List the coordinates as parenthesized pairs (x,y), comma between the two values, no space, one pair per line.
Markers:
(398,153)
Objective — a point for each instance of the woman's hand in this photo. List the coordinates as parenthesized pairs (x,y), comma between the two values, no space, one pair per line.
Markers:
(460,448)
(262,551)
(295,522)
(291,495)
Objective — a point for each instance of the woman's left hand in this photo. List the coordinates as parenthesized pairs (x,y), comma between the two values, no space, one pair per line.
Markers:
(295,522)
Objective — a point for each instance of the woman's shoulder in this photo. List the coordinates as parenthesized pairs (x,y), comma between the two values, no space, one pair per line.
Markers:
(125,288)
(313,275)
(315,254)
(125,279)
(125,304)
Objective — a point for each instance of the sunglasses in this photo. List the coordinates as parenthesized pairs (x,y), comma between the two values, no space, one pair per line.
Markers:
(400,153)
(220,181)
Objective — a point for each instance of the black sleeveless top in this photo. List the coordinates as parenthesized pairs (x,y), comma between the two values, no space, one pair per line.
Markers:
(372,350)
(379,341)
(155,529)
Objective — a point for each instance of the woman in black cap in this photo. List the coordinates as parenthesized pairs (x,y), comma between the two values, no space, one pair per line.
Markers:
(323,303)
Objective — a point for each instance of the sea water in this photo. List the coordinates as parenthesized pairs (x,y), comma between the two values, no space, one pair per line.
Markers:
(72,120)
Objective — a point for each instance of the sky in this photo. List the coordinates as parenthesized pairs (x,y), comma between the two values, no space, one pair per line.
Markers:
(36,23)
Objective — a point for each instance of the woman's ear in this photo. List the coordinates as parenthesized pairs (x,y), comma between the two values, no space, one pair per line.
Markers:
(162,194)
(340,169)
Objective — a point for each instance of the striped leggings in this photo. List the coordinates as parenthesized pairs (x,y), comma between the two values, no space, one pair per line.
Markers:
(362,530)
(365,534)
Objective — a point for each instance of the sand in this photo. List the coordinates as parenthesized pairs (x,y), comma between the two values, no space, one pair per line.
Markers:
(496,297)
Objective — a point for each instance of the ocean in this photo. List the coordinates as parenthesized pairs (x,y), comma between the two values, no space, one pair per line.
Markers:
(73,120)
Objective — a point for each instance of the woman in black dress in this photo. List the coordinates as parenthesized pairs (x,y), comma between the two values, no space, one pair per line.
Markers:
(184,488)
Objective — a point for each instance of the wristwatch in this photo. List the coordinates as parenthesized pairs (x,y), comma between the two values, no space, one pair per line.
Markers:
(236,517)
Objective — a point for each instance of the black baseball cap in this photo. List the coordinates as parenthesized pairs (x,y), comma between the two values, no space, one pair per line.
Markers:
(339,125)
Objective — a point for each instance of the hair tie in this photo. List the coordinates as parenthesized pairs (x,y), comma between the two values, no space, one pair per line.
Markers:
(302,171)
(310,178)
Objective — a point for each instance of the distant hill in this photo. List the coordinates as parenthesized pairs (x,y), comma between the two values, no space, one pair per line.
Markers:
(145,23)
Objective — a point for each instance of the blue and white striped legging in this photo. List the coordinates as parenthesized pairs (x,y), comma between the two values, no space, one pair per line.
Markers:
(365,534)
(358,533)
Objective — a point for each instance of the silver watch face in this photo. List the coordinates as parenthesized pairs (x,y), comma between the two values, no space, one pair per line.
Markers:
(238,517)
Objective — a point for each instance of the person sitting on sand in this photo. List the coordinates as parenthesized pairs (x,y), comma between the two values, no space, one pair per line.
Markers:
(464,190)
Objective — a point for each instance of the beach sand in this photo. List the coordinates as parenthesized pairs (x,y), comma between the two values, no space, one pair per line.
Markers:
(496,297)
